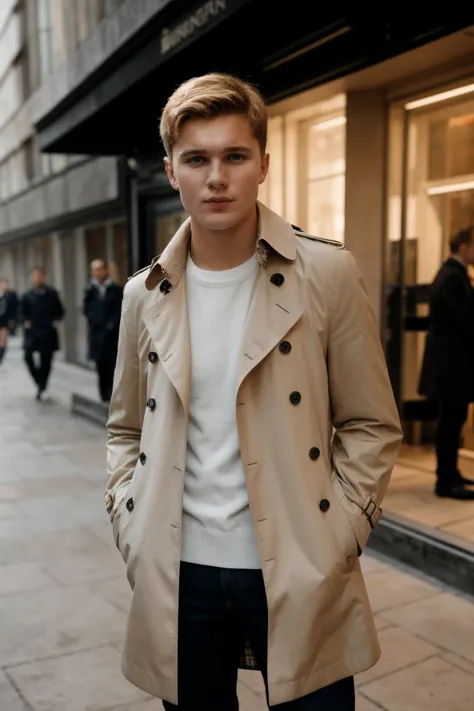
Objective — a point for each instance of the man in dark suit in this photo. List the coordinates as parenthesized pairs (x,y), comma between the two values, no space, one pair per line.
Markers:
(451,342)
(41,308)
(102,308)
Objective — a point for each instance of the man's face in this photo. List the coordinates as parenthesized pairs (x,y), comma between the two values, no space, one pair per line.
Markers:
(37,278)
(217,166)
(3,285)
(99,271)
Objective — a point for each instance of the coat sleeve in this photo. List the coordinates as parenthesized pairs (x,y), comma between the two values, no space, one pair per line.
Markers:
(124,425)
(367,432)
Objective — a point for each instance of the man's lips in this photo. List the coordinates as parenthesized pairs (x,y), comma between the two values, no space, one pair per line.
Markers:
(218,200)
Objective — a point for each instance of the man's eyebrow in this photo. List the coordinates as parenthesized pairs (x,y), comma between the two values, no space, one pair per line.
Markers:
(199,152)
(192,152)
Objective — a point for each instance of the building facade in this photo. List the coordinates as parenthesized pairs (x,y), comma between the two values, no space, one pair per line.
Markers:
(371,137)
(57,210)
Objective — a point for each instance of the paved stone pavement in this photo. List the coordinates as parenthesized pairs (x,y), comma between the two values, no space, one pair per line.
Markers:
(64,596)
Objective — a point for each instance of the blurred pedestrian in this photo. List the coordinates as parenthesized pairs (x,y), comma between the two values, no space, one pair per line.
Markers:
(448,363)
(41,309)
(102,306)
(8,314)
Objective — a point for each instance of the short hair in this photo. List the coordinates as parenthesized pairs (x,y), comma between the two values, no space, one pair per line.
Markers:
(212,95)
(464,236)
(102,261)
(38,269)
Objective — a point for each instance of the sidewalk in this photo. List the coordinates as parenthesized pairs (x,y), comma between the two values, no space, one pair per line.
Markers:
(64,595)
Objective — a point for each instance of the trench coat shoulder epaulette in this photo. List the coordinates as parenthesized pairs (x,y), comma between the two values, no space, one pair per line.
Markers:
(140,271)
(332,242)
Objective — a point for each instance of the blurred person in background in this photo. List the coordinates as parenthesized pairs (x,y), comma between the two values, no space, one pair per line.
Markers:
(102,306)
(41,309)
(448,365)
(8,314)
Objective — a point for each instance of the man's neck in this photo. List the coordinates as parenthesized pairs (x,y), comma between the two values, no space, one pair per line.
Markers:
(218,250)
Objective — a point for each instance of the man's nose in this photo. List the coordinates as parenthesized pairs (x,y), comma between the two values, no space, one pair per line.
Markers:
(218,174)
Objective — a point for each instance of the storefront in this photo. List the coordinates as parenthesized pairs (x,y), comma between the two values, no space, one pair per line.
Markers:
(371,138)
(430,195)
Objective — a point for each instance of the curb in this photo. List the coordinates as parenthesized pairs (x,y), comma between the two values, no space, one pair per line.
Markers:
(431,551)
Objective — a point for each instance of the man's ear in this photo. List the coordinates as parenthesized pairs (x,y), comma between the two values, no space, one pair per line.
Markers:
(170,174)
(265,167)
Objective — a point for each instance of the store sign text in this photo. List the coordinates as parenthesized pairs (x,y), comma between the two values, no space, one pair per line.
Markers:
(171,38)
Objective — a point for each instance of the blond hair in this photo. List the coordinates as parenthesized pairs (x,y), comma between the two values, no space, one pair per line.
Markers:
(209,96)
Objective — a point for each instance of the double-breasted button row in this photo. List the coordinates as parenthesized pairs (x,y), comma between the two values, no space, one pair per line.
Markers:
(151,404)
(142,458)
(152,357)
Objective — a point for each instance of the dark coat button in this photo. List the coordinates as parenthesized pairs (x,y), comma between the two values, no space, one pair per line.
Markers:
(152,357)
(295,398)
(143,458)
(277,279)
(130,505)
(166,286)
(314,453)
(285,347)
(324,505)
(151,404)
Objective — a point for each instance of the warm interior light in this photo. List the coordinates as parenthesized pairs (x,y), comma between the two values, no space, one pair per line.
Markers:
(324,125)
(443,96)
(451,188)
(456,121)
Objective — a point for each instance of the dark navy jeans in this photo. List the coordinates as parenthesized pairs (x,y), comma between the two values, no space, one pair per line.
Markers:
(219,609)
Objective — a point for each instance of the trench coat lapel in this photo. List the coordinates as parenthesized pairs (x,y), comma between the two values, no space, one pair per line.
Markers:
(166,314)
(274,309)
(273,312)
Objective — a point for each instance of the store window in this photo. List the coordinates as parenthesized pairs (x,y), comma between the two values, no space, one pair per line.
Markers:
(325,177)
(431,196)
(166,226)
(96,243)
(306,181)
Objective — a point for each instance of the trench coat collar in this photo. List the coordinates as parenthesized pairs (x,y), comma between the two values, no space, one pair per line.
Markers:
(272,230)
(275,306)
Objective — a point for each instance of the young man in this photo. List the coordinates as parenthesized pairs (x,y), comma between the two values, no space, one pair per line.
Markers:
(102,307)
(238,512)
(41,309)
(448,373)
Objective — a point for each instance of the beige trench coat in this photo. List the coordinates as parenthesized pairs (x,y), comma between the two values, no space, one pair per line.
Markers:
(314,497)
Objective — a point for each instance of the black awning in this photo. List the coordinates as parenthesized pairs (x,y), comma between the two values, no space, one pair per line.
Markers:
(283,48)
